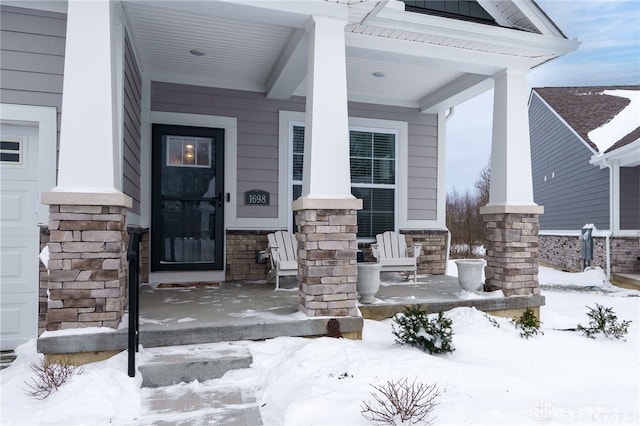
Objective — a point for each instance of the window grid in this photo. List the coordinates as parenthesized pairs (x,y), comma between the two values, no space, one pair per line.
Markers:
(373,176)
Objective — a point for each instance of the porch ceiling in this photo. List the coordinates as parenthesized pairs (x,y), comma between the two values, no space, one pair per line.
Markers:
(263,49)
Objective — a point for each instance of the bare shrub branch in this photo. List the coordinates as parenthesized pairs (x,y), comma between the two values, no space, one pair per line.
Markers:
(402,403)
(49,376)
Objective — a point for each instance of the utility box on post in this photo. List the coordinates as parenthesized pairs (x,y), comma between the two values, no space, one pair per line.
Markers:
(586,238)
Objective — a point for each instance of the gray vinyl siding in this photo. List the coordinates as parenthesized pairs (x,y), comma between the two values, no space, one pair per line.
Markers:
(258,124)
(575,192)
(630,197)
(422,163)
(131,127)
(32,44)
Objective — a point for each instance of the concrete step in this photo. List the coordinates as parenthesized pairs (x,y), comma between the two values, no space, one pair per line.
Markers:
(197,404)
(211,333)
(171,365)
(630,281)
(6,359)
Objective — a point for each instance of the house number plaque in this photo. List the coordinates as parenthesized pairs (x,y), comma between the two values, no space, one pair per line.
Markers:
(256,197)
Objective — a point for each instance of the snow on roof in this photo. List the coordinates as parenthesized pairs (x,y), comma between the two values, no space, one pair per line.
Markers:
(625,122)
(587,109)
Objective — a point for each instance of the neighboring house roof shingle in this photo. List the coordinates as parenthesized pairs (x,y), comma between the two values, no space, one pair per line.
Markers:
(587,108)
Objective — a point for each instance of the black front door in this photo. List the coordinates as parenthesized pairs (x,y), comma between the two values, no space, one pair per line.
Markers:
(187,219)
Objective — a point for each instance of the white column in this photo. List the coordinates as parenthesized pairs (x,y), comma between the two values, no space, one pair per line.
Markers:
(326,157)
(511,181)
(89,149)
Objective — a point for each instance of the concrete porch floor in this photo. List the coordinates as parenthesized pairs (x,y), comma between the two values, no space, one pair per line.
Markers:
(254,311)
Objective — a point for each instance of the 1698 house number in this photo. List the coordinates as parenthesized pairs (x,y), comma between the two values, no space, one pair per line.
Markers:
(256,197)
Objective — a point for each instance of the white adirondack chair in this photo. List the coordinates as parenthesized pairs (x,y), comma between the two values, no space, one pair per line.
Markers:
(391,252)
(282,249)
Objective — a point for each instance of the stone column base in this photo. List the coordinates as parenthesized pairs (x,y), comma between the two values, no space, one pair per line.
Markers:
(511,241)
(87,260)
(327,271)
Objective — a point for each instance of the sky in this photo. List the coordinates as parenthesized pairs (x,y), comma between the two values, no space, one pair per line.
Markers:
(609,54)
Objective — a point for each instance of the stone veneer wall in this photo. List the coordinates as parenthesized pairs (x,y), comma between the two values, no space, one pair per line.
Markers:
(145,254)
(565,252)
(433,257)
(511,241)
(88,266)
(625,255)
(242,246)
(327,272)
(43,283)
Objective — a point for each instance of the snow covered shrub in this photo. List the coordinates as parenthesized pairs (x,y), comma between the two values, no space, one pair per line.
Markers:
(604,320)
(416,329)
(528,324)
(49,376)
(402,403)
(492,320)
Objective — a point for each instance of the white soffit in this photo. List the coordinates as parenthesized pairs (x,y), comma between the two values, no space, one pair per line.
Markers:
(240,51)
(402,84)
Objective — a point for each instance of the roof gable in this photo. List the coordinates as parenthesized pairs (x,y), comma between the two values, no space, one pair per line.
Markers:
(586,109)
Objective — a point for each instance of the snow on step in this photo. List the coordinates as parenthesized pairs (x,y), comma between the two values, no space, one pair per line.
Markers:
(169,365)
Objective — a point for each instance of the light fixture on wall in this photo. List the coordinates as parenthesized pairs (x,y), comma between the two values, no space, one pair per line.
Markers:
(188,152)
(197,52)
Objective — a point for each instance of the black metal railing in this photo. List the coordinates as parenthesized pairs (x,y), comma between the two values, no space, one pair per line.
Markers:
(133,257)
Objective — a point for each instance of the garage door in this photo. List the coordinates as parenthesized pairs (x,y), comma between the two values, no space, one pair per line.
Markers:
(19,242)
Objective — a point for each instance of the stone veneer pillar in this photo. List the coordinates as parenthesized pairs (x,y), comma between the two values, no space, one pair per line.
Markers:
(327,256)
(87,261)
(511,243)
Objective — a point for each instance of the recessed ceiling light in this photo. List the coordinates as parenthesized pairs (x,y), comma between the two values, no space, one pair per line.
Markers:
(379,74)
(197,52)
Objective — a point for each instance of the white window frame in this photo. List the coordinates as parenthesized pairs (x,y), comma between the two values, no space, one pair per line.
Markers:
(289,119)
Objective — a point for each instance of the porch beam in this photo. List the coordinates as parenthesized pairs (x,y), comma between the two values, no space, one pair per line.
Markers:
(290,68)
(455,92)
(430,55)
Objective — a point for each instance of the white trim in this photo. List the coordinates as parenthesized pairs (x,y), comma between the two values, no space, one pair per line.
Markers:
(145,151)
(545,45)
(118,63)
(45,118)
(285,149)
(441,195)
(285,118)
(230,126)
(628,155)
(158,277)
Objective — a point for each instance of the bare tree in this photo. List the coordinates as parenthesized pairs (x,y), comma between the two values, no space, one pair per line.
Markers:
(463,216)
(483,183)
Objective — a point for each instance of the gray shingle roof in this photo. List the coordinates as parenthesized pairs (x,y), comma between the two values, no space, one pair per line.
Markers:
(587,108)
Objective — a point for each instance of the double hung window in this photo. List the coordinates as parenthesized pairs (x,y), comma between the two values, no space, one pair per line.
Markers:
(373,160)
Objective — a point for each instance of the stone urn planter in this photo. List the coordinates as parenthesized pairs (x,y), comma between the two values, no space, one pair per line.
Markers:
(368,282)
(470,273)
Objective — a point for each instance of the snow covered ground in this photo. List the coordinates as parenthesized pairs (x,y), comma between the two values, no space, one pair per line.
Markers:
(493,377)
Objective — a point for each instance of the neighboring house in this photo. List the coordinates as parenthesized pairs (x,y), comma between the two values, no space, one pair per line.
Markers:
(585,152)
(208,124)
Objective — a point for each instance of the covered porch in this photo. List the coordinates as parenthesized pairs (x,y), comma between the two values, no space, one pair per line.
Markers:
(252,310)
(282,88)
